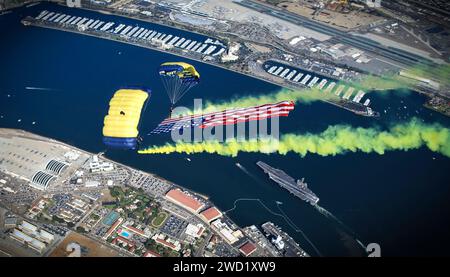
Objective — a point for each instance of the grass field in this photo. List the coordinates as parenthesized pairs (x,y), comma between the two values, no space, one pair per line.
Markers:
(159,219)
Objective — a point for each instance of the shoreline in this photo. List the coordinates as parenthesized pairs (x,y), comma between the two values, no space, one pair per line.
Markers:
(35,24)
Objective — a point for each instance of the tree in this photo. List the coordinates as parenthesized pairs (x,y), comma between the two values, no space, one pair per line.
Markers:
(57,219)
(81,229)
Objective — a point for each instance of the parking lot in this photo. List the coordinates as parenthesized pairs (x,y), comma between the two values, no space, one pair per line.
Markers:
(174,226)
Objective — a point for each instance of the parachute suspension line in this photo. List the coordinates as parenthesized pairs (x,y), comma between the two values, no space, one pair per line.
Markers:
(167,87)
(178,78)
(185,87)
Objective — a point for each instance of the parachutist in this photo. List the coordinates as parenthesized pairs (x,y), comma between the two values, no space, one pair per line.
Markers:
(178,78)
(120,129)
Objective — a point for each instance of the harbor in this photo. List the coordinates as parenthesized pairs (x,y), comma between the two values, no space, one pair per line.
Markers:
(349,97)
(208,47)
(70,193)
(204,49)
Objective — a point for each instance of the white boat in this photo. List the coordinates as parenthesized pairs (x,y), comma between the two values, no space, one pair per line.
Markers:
(284,72)
(166,39)
(272,69)
(307,77)
(98,25)
(89,22)
(48,15)
(330,87)
(151,35)
(322,83)
(64,20)
(179,42)
(191,45)
(118,28)
(348,93)
(138,32)
(210,49)
(71,19)
(42,14)
(58,19)
(291,74)
(200,50)
(54,17)
(298,77)
(142,34)
(172,41)
(279,69)
(185,43)
(133,31)
(93,24)
(76,20)
(147,34)
(219,52)
(196,46)
(106,27)
(124,31)
(367,102)
(339,90)
(82,21)
(313,82)
(359,96)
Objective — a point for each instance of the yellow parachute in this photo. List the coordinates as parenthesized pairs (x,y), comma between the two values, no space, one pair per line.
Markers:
(120,128)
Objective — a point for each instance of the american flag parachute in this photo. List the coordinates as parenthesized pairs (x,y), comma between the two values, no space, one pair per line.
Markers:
(226,117)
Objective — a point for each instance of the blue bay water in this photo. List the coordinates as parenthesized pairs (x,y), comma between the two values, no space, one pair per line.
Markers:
(399,199)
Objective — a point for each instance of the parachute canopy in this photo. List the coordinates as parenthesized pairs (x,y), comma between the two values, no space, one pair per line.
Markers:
(178,78)
(120,128)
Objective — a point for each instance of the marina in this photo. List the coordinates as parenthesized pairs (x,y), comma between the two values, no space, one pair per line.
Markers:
(326,84)
(140,34)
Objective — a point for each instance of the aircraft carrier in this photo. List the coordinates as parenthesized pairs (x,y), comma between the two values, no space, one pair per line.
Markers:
(299,188)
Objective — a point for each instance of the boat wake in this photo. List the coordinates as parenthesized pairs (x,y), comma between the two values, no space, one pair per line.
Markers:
(41,89)
(329,215)
(245,170)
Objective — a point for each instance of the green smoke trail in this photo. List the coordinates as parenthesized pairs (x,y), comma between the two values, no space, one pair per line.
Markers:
(384,84)
(337,139)
(304,96)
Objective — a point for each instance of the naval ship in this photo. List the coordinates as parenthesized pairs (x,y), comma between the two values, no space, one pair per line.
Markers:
(299,188)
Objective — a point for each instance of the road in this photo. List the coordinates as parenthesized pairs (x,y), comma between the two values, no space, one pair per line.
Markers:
(201,248)
(88,213)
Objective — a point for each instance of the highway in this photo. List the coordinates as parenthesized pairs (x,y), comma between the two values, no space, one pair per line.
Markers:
(398,55)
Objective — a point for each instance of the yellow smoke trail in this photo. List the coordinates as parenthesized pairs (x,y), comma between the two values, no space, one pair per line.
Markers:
(338,139)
